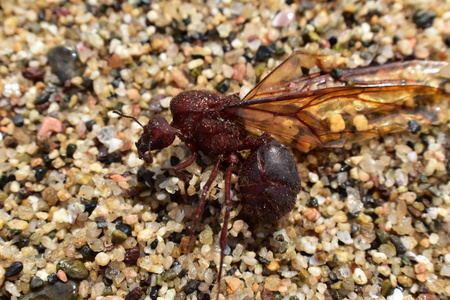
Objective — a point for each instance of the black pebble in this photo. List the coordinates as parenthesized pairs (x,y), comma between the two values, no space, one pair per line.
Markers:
(52,278)
(43,98)
(154,293)
(191,286)
(41,15)
(125,228)
(154,244)
(70,150)
(223,86)
(146,176)
(401,249)
(332,276)
(15,268)
(336,73)
(40,173)
(89,124)
(447,41)
(36,283)
(414,127)
(353,215)
(46,158)
(23,242)
(18,120)
(174,160)
(204,296)
(87,252)
(89,205)
(305,70)
(354,228)
(40,248)
(64,63)
(312,203)
(424,18)
(333,41)
(264,52)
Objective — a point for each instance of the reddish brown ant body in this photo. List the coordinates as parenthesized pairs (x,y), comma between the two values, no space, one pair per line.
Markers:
(298,110)
(269,179)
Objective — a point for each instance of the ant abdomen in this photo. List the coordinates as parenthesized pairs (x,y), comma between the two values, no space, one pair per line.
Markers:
(269,182)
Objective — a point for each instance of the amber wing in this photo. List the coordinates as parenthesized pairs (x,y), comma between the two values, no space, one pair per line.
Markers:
(317,111)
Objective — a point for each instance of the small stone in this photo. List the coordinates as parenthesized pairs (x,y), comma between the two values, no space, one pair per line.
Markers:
(274,265)
(36,283)
(58,290)
(34,73)
(283,18)
(421,272)
(223,86)
(61,275)
(96,40)
(18,225)
(337,123)
(10,142)
(264,53)
(40,172)
(44,98)
(195,63)
(312,203)
(414,127)
(191,286)
(102,259)
(359,276)
(70,150)
(18,120)
(405,48)
(135,294)
(118,237)
(73,268)
(424,18)
(235,283)
(64,63)
(50,195)
(405,281)
(132,255)
(96,245)
(125,228)
(145,235)
(48,126)
(401,249)
(87,253)
(206,237)
(10,25)
(336,73)
(13,270)
(361,123)
(168,275)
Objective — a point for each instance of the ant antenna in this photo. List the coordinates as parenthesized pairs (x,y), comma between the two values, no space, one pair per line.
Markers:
(129,117)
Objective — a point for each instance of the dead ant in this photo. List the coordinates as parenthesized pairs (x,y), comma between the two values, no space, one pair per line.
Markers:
(299,110)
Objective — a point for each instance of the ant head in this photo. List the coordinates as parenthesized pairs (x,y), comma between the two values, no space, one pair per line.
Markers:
(158,134)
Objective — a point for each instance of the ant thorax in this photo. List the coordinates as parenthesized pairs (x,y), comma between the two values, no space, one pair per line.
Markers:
(202,125)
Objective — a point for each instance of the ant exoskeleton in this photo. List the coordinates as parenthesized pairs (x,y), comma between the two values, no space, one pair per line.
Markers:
(268,178)
(301,111)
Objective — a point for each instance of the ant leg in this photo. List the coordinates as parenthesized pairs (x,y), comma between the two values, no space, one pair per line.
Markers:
(226,218)
(183,165)
(201,202)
